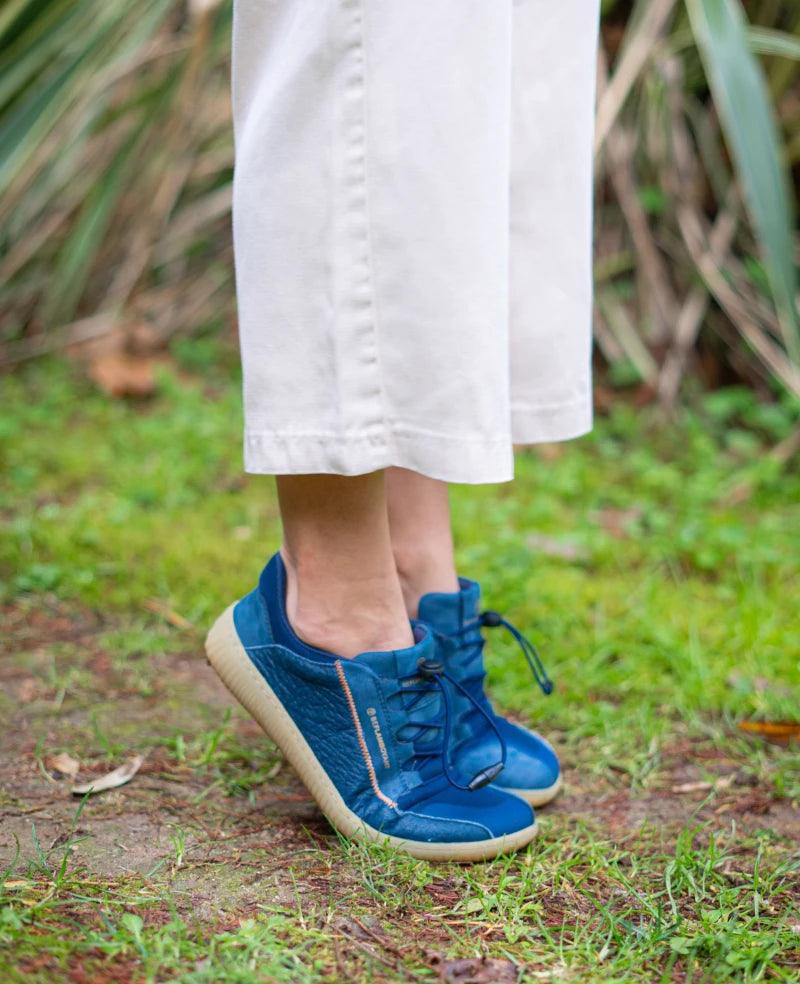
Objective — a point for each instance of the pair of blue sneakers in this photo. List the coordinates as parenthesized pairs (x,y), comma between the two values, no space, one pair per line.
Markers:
(400,747)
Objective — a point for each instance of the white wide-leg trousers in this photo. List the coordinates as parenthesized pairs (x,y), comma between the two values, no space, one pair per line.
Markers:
(412,229)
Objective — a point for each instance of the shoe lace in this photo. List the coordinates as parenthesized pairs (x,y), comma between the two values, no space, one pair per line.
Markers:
(472,641)
(431,676)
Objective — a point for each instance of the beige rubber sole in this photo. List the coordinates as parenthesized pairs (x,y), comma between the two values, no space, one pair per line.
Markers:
(234,667)
(537,797)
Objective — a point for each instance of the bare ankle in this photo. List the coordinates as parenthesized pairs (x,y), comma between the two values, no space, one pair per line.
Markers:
(343,614)
(348,638)
(423,572)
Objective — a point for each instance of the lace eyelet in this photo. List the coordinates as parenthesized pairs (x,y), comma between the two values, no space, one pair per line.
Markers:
(430,668)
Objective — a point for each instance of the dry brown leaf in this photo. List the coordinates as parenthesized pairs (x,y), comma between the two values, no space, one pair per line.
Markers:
(163,609)
(111,780)
(779,732)
(697,787)
(692,787)
(121,374)
(62,766)
(549,452)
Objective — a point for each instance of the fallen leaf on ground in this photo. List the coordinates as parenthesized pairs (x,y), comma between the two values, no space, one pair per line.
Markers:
(163,609)
(111,780)
(696,787)
(121,374)
(779,732)
(549,452)
(63,766)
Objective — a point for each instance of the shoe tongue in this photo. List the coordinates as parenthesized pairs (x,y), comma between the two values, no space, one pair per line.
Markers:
(396,663)
(447,613)
(416,705)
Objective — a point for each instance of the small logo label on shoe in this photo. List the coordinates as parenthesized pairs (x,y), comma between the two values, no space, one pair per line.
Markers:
(373,717)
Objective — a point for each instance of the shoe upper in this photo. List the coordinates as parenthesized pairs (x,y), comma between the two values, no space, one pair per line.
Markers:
(531,763)
(377,725)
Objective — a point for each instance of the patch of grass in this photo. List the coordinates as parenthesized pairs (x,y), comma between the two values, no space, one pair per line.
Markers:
(656,569)
(126,933)
(574,907)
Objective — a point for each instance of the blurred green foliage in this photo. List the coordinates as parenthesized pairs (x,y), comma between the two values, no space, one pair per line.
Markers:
(116,162)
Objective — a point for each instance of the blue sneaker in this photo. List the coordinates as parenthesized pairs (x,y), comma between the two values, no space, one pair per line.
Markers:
(532,769)
(368,736)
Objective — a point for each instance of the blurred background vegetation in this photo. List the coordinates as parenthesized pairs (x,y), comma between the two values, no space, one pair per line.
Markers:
(115,188)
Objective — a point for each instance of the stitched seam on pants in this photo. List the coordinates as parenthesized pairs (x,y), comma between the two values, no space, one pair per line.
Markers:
(362,307)
(375,437)
(367,209)
(361,739)
(548,407)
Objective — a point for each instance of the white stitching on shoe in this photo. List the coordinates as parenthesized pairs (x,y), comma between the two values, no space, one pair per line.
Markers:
(470,823)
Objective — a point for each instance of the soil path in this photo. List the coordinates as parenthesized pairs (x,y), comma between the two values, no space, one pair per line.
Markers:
(215,809)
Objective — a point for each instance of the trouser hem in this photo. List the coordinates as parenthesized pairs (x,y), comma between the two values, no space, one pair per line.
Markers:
(457,458)
(549,424)
(448,458)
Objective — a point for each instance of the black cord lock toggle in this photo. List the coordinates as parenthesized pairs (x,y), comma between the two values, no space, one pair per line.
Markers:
(485,776)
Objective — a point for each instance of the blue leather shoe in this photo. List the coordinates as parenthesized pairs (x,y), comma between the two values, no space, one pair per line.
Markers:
(532,769)
(368,736)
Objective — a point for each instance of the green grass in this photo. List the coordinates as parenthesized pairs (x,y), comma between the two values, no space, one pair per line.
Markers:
(655,566)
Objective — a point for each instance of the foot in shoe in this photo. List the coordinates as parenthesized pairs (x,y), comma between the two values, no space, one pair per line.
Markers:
(368,735)
(532,769)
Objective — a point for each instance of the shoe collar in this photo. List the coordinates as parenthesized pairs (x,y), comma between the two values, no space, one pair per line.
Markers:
(449,612)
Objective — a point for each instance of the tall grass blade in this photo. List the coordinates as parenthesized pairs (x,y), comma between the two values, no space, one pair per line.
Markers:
(740,92)
(766,41)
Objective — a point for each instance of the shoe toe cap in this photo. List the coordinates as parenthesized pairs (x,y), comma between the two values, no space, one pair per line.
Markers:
(481,814)
(531,763)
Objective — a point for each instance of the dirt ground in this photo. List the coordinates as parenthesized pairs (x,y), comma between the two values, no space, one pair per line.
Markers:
(129,829)
(64,689)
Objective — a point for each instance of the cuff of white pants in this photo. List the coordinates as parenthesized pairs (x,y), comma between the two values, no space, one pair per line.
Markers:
(460,459)
(546,424)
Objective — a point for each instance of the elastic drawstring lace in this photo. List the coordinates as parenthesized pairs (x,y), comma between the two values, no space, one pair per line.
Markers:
(434,673)
(470,634)
(494,619)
